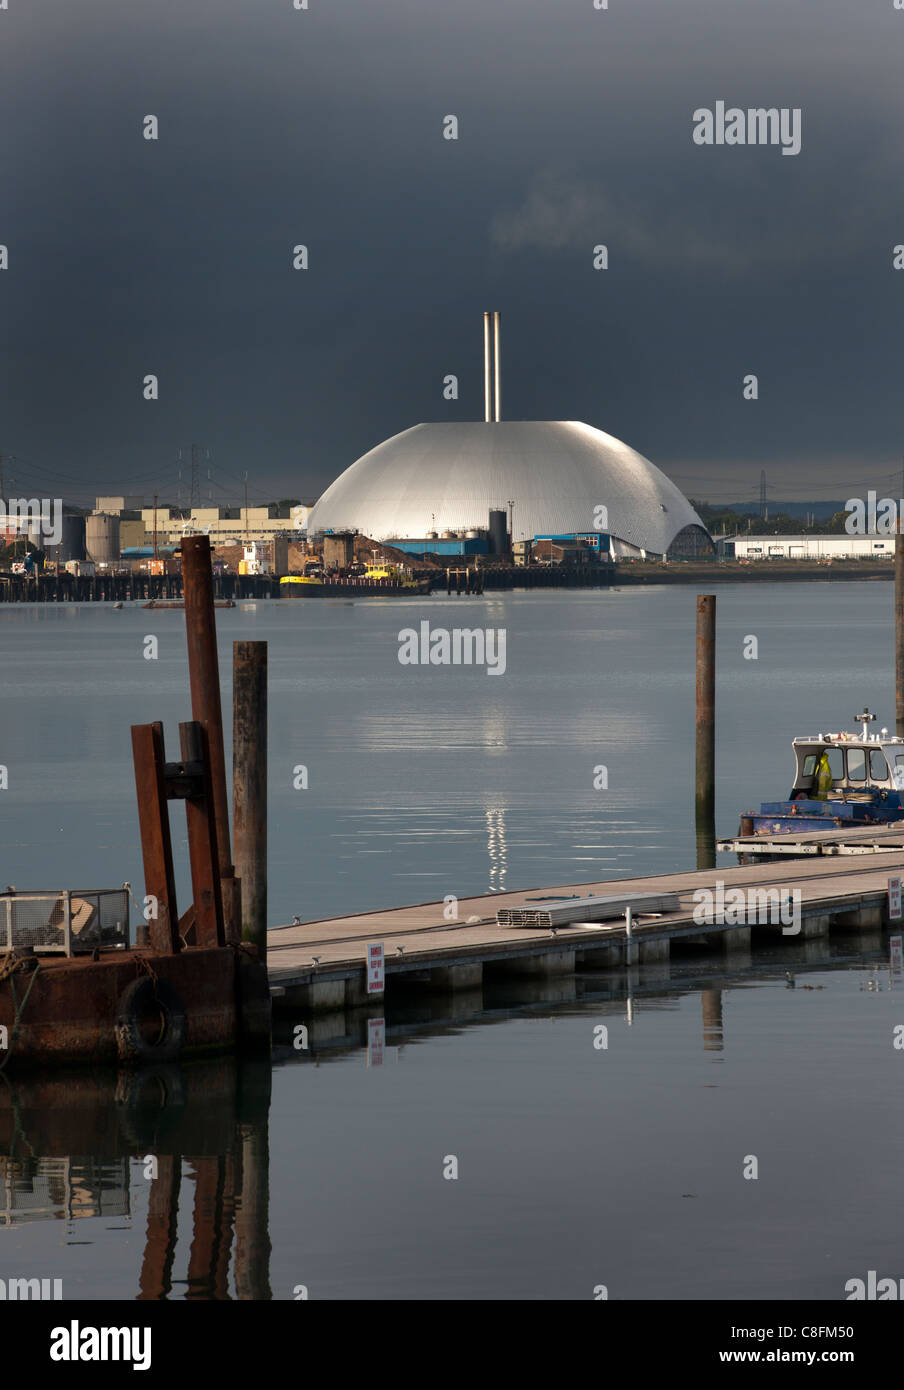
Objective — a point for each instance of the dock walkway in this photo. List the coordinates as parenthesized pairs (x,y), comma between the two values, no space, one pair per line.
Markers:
(321,964)
(871,839)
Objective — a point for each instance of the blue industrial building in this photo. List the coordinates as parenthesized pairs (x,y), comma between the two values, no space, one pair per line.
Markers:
(458,545)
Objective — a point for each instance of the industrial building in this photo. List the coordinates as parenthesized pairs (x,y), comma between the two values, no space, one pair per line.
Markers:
(224,525)
(432,487)
(835,547)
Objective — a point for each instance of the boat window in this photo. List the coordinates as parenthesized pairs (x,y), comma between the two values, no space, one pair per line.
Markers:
(898,771)
(836,763)
(809,766)
(878,767)
(856,765)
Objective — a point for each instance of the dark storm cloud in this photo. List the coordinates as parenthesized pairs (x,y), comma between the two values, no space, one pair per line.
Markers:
(325,127)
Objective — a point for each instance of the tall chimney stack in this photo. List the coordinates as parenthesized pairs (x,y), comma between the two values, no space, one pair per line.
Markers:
(486,368)
(497,378)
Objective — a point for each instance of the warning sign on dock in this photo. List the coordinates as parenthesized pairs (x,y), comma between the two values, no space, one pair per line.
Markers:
(894,899)
(896,956)
(375,965)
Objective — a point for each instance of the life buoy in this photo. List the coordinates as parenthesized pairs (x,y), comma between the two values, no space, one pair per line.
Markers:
(150,1022)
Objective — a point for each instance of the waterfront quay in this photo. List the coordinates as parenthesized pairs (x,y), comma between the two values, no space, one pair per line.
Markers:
(320,966)
(125,587)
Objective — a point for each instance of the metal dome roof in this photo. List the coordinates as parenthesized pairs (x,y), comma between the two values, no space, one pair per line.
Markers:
(446,477)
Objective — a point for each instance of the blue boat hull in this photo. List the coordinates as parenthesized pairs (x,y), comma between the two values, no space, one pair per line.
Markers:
(796,817)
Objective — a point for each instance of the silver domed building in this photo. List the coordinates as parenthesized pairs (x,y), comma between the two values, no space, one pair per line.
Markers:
(553,478)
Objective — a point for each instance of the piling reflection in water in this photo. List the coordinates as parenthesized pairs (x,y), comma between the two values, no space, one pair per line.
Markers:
(207,1124)
(711,1001)
(211,1117)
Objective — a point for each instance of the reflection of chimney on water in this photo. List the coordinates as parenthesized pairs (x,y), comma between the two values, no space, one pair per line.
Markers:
(711,1000)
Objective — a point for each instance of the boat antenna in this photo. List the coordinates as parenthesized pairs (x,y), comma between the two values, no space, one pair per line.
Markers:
(864,719)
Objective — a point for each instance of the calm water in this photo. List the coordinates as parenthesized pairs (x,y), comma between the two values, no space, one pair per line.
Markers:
(577,1166)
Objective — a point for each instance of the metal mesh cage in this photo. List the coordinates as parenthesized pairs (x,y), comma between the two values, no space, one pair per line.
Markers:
(66,920)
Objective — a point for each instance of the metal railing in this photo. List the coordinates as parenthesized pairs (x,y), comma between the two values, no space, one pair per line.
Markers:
(65,921)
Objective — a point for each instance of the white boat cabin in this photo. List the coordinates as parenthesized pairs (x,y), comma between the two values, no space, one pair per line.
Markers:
(862,762)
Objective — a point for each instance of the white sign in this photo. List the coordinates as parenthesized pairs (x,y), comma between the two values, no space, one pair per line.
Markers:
(894,899)
(896,956)
(376,1041)
(376,970)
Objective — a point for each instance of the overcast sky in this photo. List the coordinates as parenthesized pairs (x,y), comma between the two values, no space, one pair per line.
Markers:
(324,127)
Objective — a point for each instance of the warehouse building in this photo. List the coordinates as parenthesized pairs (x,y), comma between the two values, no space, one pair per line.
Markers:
(834,547)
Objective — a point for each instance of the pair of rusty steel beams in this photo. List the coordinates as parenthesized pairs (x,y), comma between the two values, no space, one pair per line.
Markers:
(158,782)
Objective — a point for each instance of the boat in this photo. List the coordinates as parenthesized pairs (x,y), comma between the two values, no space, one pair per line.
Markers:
(354,586)
(841,781)
(306,581)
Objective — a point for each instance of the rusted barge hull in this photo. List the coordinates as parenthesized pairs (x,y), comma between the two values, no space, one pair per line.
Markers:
(133,1008)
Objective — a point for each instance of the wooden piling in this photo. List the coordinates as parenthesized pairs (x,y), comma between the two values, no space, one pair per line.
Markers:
(249,788)
(204,679)
(706,724)
(899,634)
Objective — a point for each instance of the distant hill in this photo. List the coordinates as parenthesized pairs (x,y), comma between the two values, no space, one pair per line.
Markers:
(820,510)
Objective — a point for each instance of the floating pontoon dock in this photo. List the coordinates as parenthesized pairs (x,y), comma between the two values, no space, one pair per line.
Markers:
(321,964)
(874,839)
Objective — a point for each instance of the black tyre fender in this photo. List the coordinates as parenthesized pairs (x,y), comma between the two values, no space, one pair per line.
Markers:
(150,1022)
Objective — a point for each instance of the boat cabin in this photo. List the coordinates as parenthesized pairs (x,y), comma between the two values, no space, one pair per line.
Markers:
(861,764)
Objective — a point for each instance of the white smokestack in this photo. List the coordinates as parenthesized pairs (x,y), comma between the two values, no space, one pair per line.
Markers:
(496,353)
(486,367)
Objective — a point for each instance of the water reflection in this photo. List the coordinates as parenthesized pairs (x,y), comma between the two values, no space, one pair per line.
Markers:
(201,1135)
(63,1189)
(195,1139)
(497,850)
(711,1000)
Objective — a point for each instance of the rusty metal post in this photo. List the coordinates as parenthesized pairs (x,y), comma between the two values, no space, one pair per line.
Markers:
(705,798)
(899,634)
(202,840)
(249,787)
(156,847)
(204,678)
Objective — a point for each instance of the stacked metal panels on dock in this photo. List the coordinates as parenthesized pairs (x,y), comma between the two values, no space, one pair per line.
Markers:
(559,912)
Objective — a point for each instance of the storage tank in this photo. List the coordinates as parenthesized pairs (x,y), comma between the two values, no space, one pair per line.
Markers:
(72,539)
(498,533)
(102,538)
